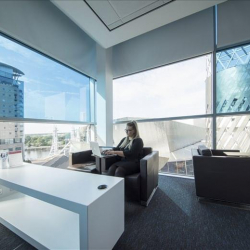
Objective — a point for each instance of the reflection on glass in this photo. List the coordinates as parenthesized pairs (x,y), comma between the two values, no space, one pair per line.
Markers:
(233,132)
(174,141)
(233,89)
(180,89)
(33,86)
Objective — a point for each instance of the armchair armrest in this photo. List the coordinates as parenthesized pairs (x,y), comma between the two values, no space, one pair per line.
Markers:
(107,162)
(221,152)
(149,166)
(81,157)
(215,152)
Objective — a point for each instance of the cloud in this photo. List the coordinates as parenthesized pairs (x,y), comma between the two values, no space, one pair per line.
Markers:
(70,82)
(32,81)
(174,90)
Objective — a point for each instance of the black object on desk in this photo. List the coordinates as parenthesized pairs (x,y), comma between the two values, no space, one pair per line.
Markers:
(102,186)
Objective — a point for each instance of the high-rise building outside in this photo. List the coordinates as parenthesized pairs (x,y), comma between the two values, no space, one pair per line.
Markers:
(11,106)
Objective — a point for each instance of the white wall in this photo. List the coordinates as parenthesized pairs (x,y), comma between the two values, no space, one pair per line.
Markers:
(104,97)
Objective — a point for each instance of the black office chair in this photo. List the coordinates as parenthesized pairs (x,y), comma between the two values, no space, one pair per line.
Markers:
(140,186)
(221,177)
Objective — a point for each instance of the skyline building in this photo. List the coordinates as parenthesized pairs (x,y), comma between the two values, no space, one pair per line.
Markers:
(11,105)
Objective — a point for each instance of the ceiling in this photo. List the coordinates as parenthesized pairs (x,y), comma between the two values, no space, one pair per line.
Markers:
(115,13)
(110,22)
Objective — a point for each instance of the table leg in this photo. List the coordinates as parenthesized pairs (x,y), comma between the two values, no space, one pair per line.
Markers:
(83,229)
(98,164)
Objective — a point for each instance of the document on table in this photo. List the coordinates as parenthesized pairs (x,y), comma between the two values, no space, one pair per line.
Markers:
(16,159)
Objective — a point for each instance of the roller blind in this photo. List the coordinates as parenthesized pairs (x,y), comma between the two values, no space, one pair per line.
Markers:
(182,39)
(42,26)
(233,23)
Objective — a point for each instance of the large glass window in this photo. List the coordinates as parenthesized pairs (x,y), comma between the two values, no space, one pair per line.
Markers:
(33,86)
(45,144)
(180,89)
(174,141)
(233,132)
(233,80)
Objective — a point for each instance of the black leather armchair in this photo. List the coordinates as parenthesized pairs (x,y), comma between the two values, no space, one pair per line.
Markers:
(84,157)
(81,157)
(221,177)
(140,186)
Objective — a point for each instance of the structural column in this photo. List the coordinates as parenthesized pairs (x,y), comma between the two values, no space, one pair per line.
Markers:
(104,96)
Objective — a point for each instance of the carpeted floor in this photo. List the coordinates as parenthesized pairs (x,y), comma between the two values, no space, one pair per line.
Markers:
(173,220)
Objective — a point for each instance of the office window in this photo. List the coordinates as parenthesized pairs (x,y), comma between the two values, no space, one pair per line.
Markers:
(233,88)
(233,132)
(47,144)
(44,89)
(174,141)
(180,89)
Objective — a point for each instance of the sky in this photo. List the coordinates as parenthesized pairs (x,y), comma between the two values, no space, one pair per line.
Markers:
(175,90)
(45,78)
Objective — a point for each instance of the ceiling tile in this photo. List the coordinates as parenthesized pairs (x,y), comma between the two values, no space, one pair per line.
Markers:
(125,7)
(142,11)
(80,13)
(104,10)
(115,25)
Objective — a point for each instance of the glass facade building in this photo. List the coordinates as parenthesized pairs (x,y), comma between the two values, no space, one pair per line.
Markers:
(233,78)
(11,105)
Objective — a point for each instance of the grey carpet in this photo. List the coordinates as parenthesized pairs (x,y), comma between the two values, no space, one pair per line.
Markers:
(173,220)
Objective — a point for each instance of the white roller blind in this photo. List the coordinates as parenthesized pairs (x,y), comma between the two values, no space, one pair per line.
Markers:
(42,26)
(233,23)
(185,38)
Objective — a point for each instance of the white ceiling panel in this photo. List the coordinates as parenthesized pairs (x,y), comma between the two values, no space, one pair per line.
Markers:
(115,25)
(142,11)
(114,13)
(104,10)
(124,7)
(80,12)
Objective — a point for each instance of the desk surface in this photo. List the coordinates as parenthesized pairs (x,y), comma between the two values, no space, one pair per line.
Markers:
(57,186)
(238,154)
(54,213)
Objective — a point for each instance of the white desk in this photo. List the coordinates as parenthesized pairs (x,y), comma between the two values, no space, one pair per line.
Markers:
(61,209)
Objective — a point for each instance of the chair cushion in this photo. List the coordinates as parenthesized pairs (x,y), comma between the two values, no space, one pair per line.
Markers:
(146,151)
(203,150)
